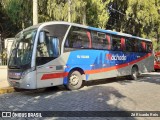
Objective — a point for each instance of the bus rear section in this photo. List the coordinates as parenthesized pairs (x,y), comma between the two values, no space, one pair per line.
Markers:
(157,61)
(105,54)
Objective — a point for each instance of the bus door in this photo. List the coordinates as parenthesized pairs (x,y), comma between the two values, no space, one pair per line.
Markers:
(47,51)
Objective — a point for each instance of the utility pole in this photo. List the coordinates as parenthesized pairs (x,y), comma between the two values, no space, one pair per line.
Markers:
(35,12)
(69,10)
(84,16)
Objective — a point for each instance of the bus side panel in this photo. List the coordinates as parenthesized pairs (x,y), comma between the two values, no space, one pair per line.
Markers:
(99,64)
(96,64)
(86,60)
(146,65)
(143,66)
(53,72)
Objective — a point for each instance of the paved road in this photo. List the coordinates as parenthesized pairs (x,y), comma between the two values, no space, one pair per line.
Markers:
(117,94)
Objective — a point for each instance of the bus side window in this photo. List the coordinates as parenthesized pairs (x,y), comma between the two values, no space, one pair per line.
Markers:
(131,45)
(42,47)
(55,50)
(135,45)
(77,38)
(128,45)
(148,46)
(143,44)
(100,40)
(116,43)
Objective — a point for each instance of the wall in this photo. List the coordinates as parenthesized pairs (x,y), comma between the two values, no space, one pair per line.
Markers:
(3,73)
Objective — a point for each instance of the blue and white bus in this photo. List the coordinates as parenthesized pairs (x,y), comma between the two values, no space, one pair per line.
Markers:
(62,53)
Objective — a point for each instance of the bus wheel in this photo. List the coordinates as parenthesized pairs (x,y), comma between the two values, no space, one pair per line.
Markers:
(17,90)
(134,73)
(74,80)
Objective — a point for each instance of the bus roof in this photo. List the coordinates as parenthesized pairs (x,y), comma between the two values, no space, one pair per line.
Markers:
(92,28)
(118,33)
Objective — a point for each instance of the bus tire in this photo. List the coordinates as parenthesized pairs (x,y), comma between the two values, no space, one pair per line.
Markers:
(74,80)
(18,89)
(134,73)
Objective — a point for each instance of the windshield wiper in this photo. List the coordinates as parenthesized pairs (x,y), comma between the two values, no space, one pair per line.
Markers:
(14,67)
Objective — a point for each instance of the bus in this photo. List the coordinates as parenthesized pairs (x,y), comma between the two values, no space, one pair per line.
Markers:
(157,61)
(62,53)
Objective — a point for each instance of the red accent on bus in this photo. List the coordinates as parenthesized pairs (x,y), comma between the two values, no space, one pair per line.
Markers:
(54,75)
(65,74)
(109,41)
(116,67)
(108,56)
(143,46)
(89,36)
(157,61)
(122,43)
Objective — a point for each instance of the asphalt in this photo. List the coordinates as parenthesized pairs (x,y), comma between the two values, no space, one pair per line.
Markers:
(5,88)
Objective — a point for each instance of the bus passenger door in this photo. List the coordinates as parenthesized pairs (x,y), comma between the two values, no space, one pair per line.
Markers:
(47,51)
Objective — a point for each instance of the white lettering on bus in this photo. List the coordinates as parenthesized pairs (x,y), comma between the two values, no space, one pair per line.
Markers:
(116,57)
(83,56)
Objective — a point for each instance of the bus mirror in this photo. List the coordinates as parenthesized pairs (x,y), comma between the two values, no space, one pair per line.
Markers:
(42,37)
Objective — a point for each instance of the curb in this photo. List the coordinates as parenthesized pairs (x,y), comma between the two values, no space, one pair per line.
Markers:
(6,90)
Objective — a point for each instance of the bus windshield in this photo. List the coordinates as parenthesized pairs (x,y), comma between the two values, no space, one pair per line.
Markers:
(21,52)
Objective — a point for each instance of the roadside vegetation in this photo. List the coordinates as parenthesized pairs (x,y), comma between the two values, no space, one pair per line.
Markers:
(136,17)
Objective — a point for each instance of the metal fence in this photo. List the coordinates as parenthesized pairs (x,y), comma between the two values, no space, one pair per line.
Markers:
(3,62)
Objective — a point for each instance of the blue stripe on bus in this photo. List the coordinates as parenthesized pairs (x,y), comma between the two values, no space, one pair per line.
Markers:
(96,59)
(101,30)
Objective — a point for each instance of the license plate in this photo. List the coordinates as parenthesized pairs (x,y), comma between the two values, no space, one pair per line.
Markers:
(14,75)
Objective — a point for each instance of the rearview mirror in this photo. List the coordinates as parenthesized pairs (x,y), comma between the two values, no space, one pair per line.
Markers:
(42,37)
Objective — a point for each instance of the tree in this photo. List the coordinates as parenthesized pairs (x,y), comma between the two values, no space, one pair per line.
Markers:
(7,28)
(42,11)
(97,13)
(90,12)
(60,10)
(117,16)
(19,11)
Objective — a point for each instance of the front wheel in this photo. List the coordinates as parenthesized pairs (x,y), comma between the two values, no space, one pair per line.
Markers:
(74,80)
(18,89)
(134,73)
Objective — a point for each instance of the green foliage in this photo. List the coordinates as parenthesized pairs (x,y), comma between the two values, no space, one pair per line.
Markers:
(117,19)
(19,11)
(57,11)
(90,12)
(137,17)
(97,14)
(144,15)
(156,46)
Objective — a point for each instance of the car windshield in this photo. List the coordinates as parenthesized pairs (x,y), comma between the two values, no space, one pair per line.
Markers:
(21,52)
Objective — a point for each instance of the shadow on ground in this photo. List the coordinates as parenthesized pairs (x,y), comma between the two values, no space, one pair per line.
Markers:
(97,98)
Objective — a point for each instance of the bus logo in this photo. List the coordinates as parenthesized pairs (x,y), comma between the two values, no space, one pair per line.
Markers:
(115,57)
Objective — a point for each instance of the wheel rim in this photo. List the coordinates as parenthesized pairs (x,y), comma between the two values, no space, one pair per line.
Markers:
(74,79)
(135,73)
